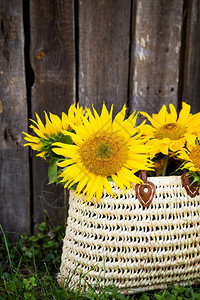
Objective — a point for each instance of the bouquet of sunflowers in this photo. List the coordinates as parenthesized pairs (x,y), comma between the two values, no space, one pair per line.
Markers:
(86,151)
(106,162)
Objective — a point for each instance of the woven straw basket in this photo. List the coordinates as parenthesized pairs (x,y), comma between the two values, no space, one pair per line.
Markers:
(118,241)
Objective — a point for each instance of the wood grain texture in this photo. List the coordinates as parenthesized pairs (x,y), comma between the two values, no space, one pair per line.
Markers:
(155,53)
(191,64)
(53,62)
(14,166)
(104,34)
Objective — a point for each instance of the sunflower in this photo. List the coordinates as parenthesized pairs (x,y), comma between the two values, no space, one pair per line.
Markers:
(190,157)
(52,130)
(103,149)
(170,132)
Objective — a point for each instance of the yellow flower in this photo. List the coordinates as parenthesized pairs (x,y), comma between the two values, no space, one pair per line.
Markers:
(169,131)
(191,157)
(74,116)
(52,130)
(103,148)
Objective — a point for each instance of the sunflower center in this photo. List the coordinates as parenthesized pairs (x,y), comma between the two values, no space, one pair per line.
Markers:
(104,153)
(173,131)
(195,156)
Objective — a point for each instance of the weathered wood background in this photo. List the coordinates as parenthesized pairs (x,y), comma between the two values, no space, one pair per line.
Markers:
(55,52)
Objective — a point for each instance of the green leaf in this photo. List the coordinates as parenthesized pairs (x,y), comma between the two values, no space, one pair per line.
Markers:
(166,295)
(159,297)
(110,178)
(196,177)
(144,297)
(33,239)
(43,226)
(52,171)
(66,139)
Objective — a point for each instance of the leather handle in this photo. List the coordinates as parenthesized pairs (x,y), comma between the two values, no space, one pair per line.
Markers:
(145,192)
(191,188)
(143,175)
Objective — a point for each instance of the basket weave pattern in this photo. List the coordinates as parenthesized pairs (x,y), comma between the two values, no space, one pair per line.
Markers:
(117,241)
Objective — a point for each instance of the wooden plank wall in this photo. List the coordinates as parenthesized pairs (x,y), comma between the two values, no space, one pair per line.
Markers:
(155,52)
(190,87)
(52,55)
(104,37)
(14,166)
(142,53)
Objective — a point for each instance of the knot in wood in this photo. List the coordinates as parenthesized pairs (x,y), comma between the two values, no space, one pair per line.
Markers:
(40,55)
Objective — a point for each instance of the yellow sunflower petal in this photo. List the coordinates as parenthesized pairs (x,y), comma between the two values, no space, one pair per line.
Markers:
(184,113)
(153,122)
(65,121)
(173,116)
(118,182)
(82,183)
(80,131)
(66,163)
(190,138)
(162,113)
(91,187)
(40,124)
(100,188)
(176,145)
(66,150)
(97,187)
(38,132)
(164,149)
(41,154)
(107,186)
(105,114)
(76,138)
(50,128)
(120,116)
(32,139)
(56,121)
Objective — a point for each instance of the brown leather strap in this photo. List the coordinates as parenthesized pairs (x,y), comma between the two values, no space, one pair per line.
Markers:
(191,188)
(143,175)
(145,192)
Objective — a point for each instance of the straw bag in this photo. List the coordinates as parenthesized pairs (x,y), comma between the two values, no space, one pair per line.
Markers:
(119,241)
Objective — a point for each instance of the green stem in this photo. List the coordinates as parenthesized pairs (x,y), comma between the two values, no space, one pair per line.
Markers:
(165,165)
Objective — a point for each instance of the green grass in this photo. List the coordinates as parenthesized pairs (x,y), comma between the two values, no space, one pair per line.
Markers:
(29,268)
